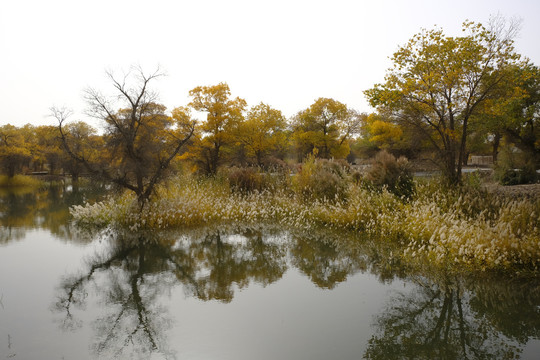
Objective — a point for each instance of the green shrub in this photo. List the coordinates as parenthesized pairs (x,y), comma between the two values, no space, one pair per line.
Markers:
(395,175)
(510,177)
(514,168)
(525,175)
(472,180)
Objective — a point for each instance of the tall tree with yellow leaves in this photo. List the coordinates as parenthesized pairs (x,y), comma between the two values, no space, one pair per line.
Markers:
(263,132)
(223,117)
(439,83)
(324,128)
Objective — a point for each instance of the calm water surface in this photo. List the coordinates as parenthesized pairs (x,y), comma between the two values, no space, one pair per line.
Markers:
(237,294)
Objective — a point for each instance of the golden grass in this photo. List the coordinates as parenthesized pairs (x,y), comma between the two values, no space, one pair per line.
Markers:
(446,227)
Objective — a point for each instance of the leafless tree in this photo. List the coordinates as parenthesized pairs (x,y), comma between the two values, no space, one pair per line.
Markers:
(140,140)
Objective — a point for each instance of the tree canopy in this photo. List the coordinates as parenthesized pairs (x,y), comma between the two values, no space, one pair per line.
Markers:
(223,116)
(14,150)
(263,132)
(325,127)
(438,83)
(140,139)
(521,119)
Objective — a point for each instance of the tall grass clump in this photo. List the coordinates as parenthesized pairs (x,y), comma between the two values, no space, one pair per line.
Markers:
(367,212)
(394,174)
(200,202)
(472,228)
(195,202)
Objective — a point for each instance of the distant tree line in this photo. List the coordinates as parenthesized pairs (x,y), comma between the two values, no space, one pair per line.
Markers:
(232,134)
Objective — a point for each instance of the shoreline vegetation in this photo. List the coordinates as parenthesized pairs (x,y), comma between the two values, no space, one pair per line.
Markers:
(19,181)
(462,228)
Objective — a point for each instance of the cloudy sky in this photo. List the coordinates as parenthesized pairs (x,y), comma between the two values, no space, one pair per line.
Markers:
(284,53)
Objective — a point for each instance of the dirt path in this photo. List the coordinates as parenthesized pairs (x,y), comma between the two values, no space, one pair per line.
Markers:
(529,190)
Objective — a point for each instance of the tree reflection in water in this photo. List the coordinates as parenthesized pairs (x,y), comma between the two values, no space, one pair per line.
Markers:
(447,316)
(128,282)
(454,317)
(226,261)
(512,307)
(132,276)
(323,261)
(24,208)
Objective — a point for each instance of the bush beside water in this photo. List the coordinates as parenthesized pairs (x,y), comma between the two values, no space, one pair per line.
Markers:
(463,227)
(320,180)
(394,174)
(19,181)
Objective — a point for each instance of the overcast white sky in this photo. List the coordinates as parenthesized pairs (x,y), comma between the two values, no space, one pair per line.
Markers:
(284,53)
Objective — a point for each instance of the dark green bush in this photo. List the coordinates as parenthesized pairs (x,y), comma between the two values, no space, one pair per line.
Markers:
(515,168)
(525,175)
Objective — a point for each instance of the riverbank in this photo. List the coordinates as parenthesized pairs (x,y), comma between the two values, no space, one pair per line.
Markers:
(19,181)
(465,227)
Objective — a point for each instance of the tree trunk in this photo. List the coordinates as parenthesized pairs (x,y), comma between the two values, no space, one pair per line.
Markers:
(462,151)
(258,153)
(451,172)
(214,159)
(495,146)
(11,171)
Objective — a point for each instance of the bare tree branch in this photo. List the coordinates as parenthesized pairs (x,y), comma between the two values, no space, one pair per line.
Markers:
(140,138)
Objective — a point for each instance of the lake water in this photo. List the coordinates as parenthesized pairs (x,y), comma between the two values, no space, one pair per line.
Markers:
(219,293)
